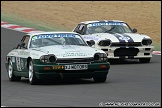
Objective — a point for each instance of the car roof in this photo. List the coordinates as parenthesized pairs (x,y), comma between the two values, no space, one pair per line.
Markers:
(87,22)
(51,32)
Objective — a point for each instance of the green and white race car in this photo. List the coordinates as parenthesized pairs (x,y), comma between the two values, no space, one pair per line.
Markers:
(56,55)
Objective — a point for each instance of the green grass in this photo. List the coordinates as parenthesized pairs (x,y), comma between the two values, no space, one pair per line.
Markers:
(157,46)
(44,27)
(27,23)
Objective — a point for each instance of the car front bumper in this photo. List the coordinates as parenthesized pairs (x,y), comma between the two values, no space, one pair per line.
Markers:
(128,52)
(48,72)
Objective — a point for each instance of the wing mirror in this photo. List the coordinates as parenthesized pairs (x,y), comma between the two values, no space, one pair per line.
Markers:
(134,30)
(91,42)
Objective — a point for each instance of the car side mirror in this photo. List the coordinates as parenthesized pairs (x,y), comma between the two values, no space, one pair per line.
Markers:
(91,42)
(134,30)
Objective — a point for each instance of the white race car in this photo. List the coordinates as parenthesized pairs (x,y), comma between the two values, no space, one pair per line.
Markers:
(117,39)
(54,55)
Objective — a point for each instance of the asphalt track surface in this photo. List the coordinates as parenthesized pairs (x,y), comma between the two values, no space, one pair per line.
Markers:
(128,81)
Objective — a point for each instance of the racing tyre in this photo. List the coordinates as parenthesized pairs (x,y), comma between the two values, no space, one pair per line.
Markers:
(32,78)
(144,60)
(11,75)
(99,79)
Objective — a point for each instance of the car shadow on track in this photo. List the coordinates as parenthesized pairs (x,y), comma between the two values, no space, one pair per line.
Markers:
(62,81)
(125,61)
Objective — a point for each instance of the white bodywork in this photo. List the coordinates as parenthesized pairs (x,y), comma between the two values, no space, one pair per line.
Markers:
(145,51)
(60,51)
(103,36)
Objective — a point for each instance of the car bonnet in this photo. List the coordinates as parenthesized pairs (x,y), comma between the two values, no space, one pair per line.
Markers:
(116,37)
(69,51)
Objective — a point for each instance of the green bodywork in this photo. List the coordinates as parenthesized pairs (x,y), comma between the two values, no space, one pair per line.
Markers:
(93,70)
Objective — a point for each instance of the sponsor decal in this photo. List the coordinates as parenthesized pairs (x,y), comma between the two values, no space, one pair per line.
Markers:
(13,59)
(22,64)
(54,35)
(18,64)
(58,67)
(70,54)
(23,53)
(90,38)
(106,23)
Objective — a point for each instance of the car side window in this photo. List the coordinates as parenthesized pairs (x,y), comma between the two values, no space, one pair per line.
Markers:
(26,40)
(23,43)
(80,29)
(76,29)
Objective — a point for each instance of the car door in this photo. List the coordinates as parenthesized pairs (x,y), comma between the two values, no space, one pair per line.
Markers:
(22,55)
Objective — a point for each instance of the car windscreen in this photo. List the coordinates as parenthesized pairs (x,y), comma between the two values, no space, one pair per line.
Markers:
(56,39)
(108,27)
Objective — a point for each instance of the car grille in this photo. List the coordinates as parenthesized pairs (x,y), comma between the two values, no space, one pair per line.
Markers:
(76,60)
(126,44)
(126,52)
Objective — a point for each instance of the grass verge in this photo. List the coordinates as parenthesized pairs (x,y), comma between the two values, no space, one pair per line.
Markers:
(27,23)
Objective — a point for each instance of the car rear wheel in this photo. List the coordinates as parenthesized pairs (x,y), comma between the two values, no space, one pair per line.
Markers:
(99,79)
(32,78)
(11,75)
(144,60)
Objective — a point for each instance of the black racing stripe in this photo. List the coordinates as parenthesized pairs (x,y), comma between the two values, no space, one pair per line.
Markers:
(118,37)
(130,40)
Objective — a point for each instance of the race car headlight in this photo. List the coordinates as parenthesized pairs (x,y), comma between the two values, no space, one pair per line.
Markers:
(48,58)
(146,42)
(104,42)
(100,57)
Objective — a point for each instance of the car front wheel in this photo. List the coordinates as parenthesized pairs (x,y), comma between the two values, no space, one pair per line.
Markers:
(32,78)
(11,75)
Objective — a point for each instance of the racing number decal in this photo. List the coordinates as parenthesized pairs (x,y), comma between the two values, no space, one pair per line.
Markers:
(22,64)
(18,64)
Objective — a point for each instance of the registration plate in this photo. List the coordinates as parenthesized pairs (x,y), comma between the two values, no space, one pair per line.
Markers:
(76,67)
